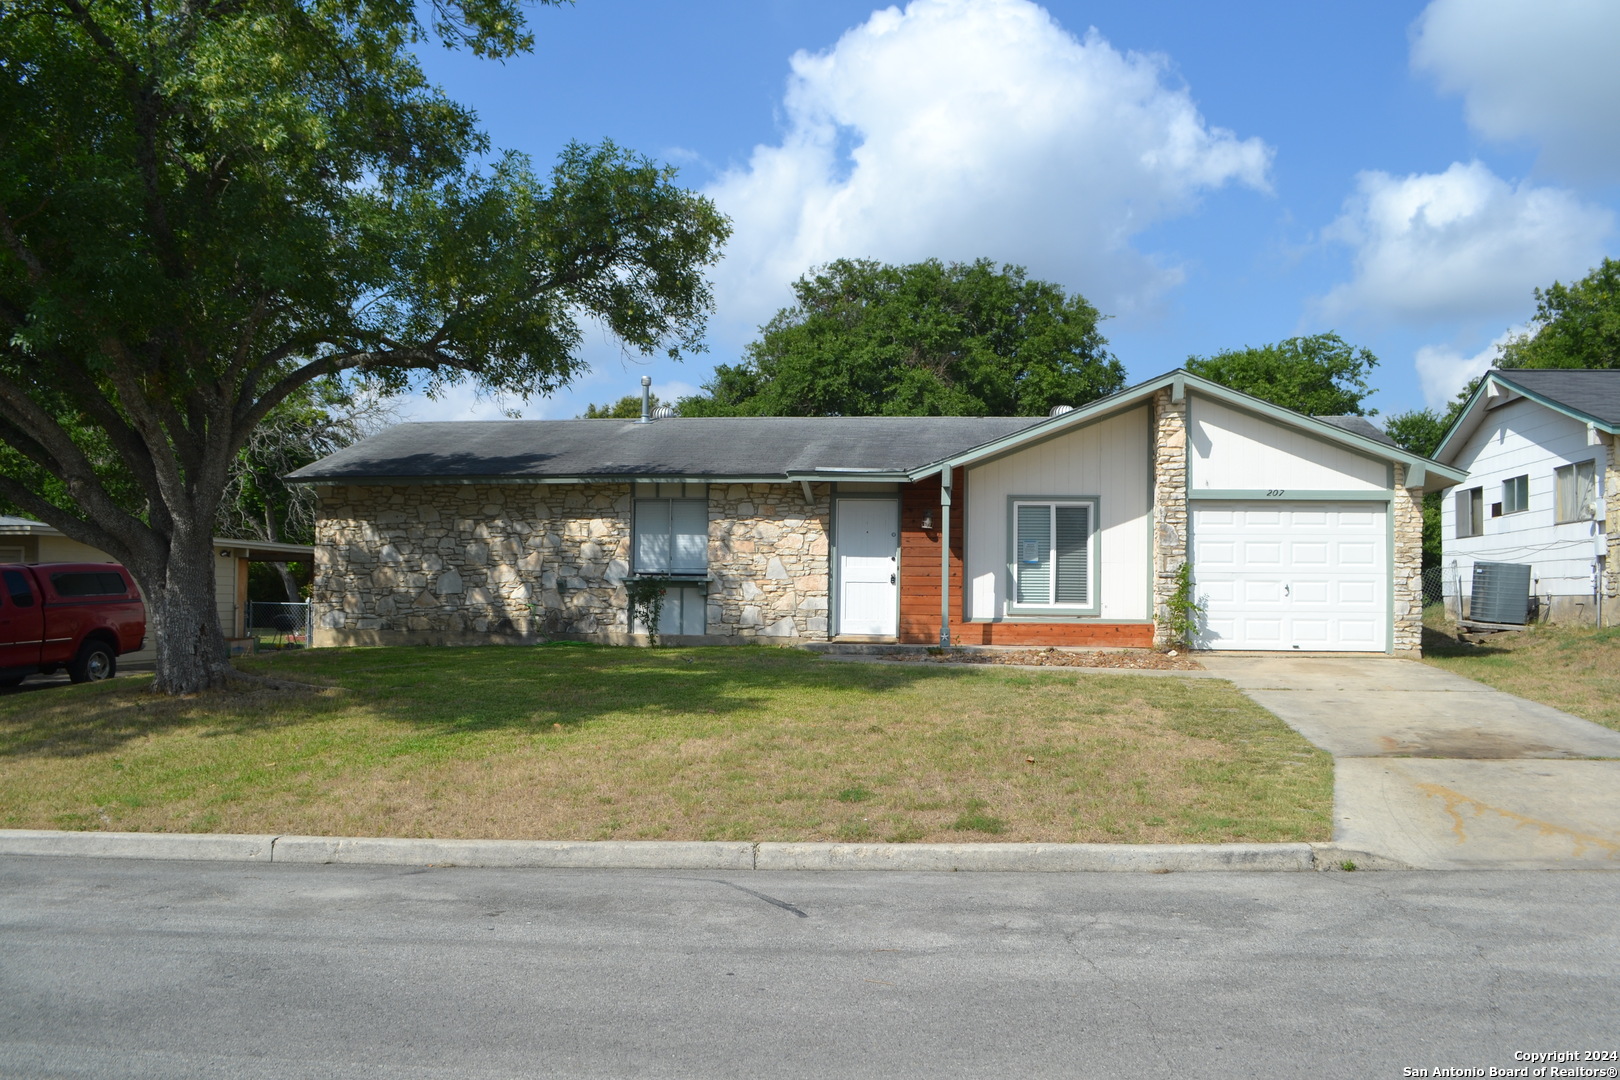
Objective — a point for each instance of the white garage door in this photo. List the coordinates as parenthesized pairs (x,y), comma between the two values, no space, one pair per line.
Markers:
(1293,575)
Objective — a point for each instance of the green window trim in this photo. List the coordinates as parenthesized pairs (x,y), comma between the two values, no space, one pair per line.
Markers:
(1053,555)
(1516,495)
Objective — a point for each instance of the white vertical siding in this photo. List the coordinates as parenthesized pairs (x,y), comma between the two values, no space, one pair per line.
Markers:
(225,591)
(1517,439)
(1229,449)
(1110,460)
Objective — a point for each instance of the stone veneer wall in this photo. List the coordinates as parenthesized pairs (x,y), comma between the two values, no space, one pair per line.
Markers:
(466,564)
(1169,504)
(1406,560)
(1611,527)
(768,552)
(474,564)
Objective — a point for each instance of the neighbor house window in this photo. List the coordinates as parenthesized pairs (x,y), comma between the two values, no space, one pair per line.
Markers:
(1053,554)
(1470,505)
(671,529)
(1515,495)
(1575,487)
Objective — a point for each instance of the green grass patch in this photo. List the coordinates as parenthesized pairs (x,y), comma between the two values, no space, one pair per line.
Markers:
(668,744)
(1576,669)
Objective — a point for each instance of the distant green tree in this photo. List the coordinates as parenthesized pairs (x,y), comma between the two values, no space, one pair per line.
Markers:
(1576,326)
(626,408)
(866,338)
(1320,375)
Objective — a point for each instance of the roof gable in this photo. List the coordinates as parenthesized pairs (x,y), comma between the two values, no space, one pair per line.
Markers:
(1586,396)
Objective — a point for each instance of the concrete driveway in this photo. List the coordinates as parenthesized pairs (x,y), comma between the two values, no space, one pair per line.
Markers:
(1437,771)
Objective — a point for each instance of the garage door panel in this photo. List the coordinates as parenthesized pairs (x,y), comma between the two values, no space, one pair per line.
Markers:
(1215,553)
(1292,575)
(1308,553)
(1311,592)
(1357,593)
(1261,592)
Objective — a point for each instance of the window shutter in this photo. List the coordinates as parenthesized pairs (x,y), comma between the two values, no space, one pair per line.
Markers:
(690,526)
(1033,545)
(1073,558)
(652,536)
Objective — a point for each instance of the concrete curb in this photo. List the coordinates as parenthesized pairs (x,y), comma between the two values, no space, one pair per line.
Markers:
(221,847)
(693,855)
(606,854)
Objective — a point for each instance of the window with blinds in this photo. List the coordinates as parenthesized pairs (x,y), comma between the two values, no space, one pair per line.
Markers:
(672,534)
(1575,491)
(1052,554)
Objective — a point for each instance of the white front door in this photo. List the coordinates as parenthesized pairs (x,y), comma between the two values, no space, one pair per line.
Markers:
(1305,576)
(868,539)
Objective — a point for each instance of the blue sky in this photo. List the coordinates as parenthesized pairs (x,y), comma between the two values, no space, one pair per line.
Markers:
(1208,175)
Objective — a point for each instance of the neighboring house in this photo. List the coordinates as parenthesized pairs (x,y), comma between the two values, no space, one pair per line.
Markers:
(23,540)
(1538,447)
(1305,534)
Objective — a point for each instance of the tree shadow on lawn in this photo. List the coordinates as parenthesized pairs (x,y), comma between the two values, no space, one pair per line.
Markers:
(450,691)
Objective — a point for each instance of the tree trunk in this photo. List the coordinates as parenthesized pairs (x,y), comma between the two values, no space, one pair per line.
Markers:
(288,582)
(184,620)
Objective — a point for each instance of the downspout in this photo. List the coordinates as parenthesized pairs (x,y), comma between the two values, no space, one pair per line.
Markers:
(945,558)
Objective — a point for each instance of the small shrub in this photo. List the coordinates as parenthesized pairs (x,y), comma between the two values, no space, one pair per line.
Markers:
(646,600)
(1182,611)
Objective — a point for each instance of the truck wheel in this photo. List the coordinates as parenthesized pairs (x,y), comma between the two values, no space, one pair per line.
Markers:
(94,663)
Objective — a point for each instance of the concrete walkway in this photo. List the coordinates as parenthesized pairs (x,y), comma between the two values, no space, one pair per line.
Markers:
(1437,771)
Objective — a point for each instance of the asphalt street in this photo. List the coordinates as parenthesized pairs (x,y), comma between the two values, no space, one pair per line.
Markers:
(119,968)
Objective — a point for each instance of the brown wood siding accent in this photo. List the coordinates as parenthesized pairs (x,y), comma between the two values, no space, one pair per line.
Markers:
(919,586)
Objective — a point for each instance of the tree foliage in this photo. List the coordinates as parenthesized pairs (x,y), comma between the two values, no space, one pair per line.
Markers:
(208,207)
(865,338)
(1320,375)
(1576,326)
(626,408)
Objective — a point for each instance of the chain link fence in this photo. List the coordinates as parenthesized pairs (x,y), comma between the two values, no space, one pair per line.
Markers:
(280,625)
(1442,593)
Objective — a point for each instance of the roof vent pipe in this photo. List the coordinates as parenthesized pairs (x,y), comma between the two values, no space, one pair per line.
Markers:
(646,400)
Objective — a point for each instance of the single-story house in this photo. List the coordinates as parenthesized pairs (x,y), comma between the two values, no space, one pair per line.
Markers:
(1304,533)
(23,540)
(1538,448)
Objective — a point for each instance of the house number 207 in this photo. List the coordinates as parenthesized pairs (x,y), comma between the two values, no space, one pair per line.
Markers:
(1274,493)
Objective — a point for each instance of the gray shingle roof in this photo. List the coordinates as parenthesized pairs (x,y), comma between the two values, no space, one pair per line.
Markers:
(1595,393)
(1359,425)
(690,447)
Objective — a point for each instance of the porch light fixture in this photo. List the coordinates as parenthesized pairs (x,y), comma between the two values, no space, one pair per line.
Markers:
(928,523)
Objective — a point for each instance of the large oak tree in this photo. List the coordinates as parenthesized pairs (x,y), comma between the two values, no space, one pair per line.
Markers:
(866,338)
(208,205)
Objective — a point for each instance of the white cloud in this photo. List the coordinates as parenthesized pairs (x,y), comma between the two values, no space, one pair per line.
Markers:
(1541,70)
(1443,370)
(967,128)
(1462,244)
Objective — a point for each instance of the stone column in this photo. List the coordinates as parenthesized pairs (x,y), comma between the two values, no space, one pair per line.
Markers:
(1611,530)
(1407,562)
(1169,504)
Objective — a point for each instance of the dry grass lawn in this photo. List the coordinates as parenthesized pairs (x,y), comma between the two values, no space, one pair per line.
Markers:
(670,744)
(1576,669)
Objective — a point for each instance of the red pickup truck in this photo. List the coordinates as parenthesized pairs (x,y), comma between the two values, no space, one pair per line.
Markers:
(81,616)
